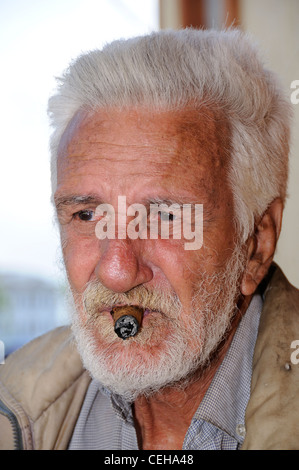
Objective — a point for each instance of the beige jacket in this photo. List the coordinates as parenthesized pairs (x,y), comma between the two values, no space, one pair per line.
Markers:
(43,385)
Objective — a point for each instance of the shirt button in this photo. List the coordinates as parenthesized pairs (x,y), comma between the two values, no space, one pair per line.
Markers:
(241,430)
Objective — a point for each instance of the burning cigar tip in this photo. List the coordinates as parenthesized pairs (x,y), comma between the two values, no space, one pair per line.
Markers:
(127,320)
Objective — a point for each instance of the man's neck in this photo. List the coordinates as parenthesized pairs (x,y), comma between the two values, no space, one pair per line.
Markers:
(162,420)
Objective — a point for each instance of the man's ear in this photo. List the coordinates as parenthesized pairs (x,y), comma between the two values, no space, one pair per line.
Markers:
(261,247)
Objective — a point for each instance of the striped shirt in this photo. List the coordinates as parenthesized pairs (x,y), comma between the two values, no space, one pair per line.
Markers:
(106,420)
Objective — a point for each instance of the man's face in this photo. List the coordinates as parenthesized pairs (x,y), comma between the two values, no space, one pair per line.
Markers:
(146,157)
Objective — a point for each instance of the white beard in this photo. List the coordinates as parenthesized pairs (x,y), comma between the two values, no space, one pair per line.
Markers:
(171,347)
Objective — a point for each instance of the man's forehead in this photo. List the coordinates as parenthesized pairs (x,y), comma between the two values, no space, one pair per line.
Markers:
(176,135)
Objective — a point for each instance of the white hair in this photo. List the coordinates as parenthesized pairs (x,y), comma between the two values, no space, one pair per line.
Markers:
(171,69)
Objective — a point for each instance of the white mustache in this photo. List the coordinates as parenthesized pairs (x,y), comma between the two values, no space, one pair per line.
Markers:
(96,298)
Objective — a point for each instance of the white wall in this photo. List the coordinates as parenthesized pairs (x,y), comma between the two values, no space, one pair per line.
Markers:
(275,25)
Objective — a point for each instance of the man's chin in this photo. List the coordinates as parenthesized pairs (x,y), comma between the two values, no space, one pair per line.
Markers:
(140,365)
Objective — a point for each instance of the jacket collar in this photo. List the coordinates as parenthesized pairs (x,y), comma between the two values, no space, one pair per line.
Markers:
(272,414)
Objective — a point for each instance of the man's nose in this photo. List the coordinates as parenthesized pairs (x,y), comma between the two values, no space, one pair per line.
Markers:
(121,267)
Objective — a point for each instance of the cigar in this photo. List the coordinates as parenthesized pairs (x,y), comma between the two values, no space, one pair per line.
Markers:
(127,320)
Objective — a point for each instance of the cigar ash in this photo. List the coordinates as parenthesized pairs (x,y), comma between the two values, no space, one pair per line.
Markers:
(127,320)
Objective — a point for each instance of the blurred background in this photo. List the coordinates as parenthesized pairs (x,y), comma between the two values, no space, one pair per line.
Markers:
(38,39)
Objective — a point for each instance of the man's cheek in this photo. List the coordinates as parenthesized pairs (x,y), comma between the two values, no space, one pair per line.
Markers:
(80,259)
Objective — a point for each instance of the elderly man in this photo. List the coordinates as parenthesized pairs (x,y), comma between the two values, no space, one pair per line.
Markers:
(189,130)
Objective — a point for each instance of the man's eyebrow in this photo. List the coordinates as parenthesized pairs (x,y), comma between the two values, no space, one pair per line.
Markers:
(181,200)
(92,199)
(72,200)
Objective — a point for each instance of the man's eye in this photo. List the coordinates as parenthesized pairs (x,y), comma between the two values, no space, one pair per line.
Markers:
(85,216)
(166,216)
